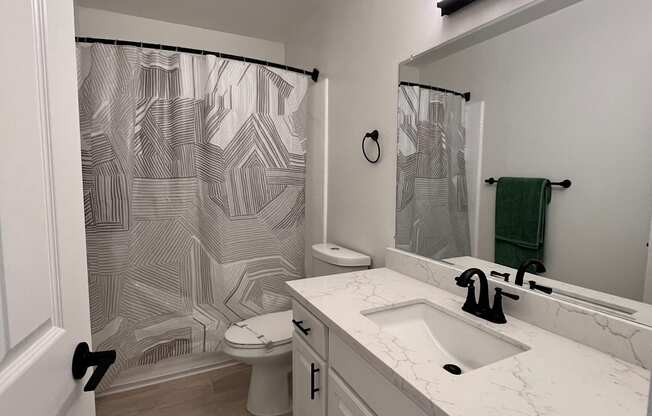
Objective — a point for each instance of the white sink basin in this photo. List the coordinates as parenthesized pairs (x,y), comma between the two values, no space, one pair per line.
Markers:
(435,335)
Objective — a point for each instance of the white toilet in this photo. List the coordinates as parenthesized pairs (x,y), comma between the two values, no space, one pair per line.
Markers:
(265,341)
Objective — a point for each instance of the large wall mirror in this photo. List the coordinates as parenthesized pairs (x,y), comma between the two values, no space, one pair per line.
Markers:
(566,96)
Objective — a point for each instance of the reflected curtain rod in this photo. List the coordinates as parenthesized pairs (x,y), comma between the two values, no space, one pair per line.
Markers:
(465,95)
(314,74)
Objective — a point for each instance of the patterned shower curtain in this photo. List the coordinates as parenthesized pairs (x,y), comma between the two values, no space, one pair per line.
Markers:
(432,205)
(193,170)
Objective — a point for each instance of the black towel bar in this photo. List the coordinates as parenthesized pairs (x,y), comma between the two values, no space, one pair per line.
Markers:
(566,183)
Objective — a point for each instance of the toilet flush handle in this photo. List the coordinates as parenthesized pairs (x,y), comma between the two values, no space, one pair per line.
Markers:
(299,325)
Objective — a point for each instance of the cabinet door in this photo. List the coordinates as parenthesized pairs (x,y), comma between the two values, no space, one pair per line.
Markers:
(342,401)
(308,380)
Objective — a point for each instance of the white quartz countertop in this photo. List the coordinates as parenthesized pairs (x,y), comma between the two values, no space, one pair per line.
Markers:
(556,376)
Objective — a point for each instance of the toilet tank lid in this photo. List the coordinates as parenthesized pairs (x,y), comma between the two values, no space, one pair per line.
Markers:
(339,256)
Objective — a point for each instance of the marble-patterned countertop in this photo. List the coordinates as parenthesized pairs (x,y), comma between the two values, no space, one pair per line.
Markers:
(556,376)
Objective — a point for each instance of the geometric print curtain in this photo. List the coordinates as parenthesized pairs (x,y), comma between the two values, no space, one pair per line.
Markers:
(432,200)
(193,175)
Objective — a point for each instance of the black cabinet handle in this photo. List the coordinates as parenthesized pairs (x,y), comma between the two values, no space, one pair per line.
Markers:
(84,358)
(299,325)
(313,372)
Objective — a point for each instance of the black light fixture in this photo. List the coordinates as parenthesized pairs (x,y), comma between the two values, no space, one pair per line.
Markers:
(451,6)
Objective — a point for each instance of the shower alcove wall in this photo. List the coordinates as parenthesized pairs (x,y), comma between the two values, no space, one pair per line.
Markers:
(194,179)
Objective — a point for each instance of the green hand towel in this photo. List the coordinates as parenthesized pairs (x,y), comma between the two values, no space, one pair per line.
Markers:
(521,205)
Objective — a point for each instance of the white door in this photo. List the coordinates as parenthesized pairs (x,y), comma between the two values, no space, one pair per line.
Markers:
(43,284)
(308,380)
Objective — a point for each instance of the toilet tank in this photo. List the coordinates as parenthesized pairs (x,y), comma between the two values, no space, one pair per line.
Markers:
(333,259)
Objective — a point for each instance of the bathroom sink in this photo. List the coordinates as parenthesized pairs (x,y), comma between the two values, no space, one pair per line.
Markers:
(435,335)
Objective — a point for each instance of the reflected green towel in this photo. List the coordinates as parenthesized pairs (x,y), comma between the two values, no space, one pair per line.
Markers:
(521,205)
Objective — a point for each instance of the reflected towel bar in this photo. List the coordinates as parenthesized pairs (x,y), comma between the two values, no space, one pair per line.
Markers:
(566,183)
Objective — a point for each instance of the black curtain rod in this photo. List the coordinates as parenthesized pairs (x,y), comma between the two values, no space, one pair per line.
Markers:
(465,95)
(314,74)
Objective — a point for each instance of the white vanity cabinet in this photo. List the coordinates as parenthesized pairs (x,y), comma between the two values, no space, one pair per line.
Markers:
(308,380)
(309,367)
(331,379)
(342,401)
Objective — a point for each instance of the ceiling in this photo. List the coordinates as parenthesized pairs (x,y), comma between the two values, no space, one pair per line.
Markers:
(266,19)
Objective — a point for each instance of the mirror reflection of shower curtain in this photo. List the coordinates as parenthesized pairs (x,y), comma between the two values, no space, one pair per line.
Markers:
(432,217)
(193,170)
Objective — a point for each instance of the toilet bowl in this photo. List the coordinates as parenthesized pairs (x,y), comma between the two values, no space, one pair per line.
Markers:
(265,343)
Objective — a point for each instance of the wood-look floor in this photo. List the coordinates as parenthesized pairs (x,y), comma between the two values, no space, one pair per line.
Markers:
(218,393)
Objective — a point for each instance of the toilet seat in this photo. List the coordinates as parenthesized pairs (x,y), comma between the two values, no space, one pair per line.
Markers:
(264,331)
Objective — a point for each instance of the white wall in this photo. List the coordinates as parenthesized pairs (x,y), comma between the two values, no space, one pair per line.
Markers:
(316,170)
(569,96)
(474,122)
(102,24)
(409,73)
(358,46)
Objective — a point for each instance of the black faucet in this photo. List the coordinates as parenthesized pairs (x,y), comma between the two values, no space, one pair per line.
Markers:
(481,308)
(465,280)
(523,268)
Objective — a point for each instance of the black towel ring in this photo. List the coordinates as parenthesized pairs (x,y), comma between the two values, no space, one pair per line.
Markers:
(373,136)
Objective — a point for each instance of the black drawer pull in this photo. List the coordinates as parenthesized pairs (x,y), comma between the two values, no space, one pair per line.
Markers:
(313,372)
(299,325)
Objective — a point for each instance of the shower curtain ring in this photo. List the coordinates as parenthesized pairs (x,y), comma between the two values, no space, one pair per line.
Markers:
(373,136)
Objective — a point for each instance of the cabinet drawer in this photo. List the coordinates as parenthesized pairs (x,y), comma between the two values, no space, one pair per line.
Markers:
(372,387)
(309,375)
(310,329)
(342,401)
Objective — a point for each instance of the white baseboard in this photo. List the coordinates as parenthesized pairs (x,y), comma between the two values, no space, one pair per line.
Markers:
(167,371)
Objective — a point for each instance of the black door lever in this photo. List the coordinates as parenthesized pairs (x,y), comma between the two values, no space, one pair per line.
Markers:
(84,358)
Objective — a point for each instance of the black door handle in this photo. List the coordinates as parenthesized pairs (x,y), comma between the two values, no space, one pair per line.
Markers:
(313,372)
(299,325)
(84,358)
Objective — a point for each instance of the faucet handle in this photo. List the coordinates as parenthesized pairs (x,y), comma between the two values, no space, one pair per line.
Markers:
(505,276)
(497,315)
(544,289)
(509,295)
